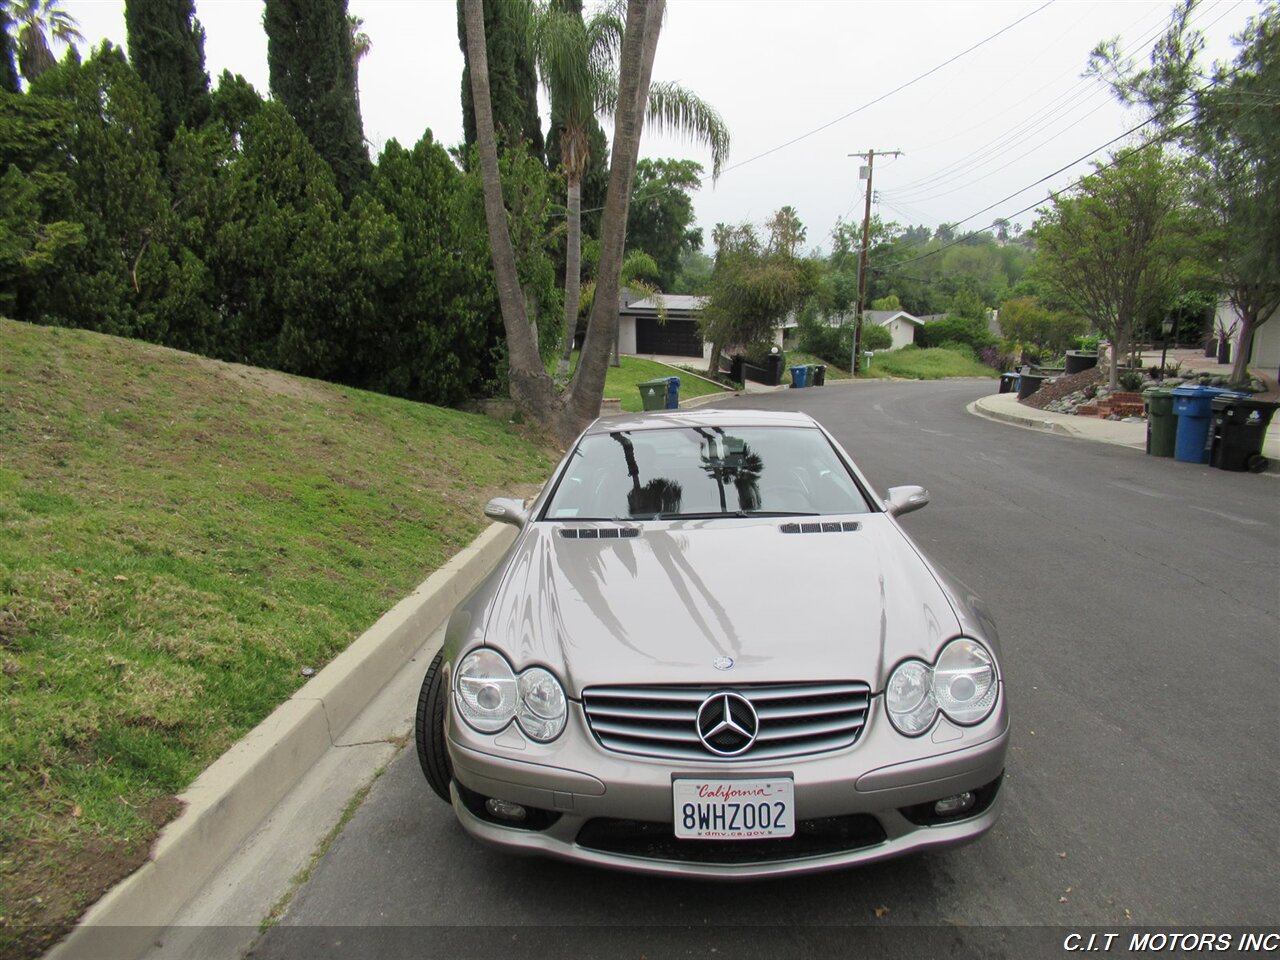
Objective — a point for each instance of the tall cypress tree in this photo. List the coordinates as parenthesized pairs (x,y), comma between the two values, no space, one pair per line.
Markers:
(513,77)
(166,47)
(8,71)
(313,75)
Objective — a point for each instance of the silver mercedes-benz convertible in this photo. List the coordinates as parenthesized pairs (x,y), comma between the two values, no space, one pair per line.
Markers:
(713,651)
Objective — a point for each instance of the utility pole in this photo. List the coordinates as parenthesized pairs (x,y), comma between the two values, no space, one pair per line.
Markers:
(865,174)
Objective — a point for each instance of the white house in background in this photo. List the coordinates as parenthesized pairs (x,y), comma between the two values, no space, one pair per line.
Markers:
(1266,338)
(900,324)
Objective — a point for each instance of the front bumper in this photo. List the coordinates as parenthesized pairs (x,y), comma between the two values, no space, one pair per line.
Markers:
(582,792)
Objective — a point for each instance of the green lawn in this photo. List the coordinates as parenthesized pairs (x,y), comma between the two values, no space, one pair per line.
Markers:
(178,539)
(935,363)
(624,382)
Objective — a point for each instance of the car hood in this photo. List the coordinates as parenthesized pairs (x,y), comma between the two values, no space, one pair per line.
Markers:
(665,605)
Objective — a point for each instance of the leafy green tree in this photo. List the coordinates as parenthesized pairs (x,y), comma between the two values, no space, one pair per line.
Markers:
(695,273)
(660,221)
(1226,116)
(1027,320)
(8,67)
(312,68)
(166,47)
(38,22)
(786,232)
(37,239)
(129,266)
(754,287)
(1114,247)
(513,76)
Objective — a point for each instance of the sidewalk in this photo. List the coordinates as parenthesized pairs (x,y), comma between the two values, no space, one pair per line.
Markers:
(1006,408)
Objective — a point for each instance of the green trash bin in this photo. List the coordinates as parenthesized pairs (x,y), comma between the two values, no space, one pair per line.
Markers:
(1162,423)
(653,394)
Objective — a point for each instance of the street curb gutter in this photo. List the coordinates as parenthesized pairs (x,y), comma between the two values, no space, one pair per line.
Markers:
(235,794)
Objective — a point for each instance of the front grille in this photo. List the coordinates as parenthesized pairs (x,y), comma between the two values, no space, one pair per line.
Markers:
(657,841)
(794,719)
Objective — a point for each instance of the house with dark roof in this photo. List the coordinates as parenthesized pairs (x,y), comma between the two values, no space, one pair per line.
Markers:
(643,330)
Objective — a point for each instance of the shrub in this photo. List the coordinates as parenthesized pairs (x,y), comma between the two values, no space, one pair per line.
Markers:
(955,330)
(1132,380)
(876,337)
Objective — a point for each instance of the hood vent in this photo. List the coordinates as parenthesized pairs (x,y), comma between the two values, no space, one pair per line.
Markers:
(599,533)
(827,526)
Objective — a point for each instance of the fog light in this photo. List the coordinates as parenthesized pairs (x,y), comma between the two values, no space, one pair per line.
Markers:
(505,810)
(948,805)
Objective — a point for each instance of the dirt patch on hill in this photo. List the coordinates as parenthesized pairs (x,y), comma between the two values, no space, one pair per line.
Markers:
(269,381)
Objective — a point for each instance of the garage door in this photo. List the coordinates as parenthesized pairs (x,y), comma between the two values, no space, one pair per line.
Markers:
(677,338)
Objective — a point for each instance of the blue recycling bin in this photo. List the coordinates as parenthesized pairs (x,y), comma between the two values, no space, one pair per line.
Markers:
(800,376)
(673,393)
(1194,409)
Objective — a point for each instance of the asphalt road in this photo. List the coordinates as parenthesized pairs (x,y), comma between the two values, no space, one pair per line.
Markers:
(1137,601)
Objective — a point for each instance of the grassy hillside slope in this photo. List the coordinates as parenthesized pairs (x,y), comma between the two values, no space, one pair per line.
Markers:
(179,538)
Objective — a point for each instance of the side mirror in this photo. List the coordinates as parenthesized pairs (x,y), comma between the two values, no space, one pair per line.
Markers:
(506,510)
(905,499)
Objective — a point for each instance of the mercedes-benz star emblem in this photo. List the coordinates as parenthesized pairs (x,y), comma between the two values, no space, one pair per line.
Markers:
(722,663)
(727,724)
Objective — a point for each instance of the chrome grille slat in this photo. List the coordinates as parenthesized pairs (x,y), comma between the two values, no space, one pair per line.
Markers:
(816,728)
(781,713)
(614,710)
(661,721)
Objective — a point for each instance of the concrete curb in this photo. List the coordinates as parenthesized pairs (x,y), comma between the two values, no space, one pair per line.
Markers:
(236,793)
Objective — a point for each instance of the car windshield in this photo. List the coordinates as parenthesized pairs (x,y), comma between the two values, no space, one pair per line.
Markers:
(695,472)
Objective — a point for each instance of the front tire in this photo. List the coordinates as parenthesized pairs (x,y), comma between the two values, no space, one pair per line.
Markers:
(428,730)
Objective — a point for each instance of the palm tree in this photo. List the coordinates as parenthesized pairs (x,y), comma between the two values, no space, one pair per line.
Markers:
(36,22)
(562,416)
(577,61)
(360,47)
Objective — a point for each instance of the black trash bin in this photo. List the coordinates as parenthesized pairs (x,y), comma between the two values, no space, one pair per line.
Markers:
(1029,383)
(820,375)
(737,369)
(773,369)
(1009,382)
(1238,428)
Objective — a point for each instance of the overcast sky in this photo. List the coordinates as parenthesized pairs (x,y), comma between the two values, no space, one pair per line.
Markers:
(996,120)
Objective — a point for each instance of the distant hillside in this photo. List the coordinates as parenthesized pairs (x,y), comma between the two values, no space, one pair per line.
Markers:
(179,537)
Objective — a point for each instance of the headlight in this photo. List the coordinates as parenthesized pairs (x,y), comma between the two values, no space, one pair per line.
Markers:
(541,708)
(489,695)
(909,697)
(486,690)
(961,683)
(964,681)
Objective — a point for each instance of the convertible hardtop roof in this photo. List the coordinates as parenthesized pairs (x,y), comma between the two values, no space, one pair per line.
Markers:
(701,418)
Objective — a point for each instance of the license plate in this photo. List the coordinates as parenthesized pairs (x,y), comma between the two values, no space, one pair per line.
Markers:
(734,809)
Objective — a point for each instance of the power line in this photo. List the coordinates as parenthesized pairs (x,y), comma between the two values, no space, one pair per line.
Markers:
(1052,194)
(885,96)
(879,99)
(1086,90)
